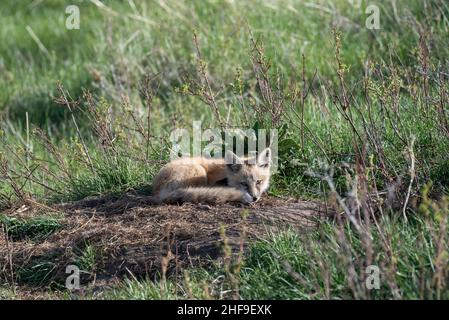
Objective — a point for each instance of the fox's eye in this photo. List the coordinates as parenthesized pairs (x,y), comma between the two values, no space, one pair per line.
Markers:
(258,182)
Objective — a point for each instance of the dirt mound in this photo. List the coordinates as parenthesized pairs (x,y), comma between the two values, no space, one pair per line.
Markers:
(131,236)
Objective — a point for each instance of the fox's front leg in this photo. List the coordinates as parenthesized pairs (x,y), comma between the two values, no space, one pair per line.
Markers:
(246,198)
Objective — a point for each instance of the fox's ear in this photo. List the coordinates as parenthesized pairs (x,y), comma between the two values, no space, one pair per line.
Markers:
(233,162)
(264,158)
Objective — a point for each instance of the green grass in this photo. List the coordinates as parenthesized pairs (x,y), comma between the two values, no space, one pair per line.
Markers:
(7,294)
(88,259)
(33,228)
(109,177)
(39,272)
(120,48)
(141,290)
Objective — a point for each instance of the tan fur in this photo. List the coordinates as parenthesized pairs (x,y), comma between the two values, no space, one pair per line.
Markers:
(196,179)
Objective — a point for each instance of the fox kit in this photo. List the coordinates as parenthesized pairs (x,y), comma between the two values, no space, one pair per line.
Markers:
(205,180)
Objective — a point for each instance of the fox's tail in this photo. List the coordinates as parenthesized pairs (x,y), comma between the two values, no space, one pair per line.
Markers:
(203,195)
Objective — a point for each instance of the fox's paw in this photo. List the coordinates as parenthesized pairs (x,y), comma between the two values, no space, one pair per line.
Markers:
(247,198)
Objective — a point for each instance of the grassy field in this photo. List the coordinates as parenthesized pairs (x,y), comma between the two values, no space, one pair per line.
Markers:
(362,116)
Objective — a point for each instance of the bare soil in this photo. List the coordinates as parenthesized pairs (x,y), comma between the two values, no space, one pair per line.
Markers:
(133,237)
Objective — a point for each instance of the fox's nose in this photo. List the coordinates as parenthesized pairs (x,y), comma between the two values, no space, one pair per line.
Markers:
(255,198)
